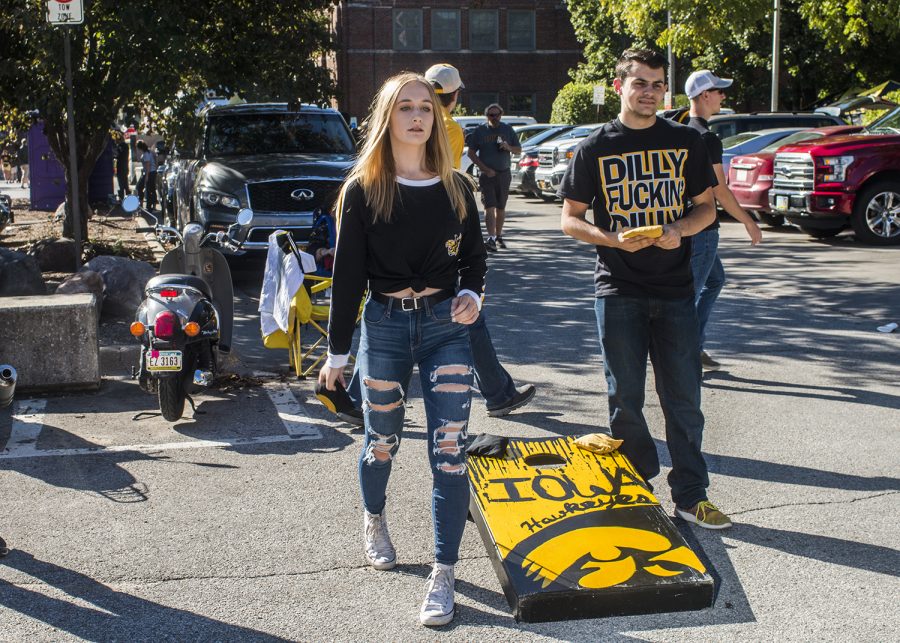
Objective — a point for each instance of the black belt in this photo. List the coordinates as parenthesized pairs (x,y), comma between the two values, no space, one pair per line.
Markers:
(408,304)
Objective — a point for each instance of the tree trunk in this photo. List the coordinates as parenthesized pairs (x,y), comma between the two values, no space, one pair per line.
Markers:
(88,147)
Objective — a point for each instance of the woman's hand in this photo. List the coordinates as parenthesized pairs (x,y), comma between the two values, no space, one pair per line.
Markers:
(464,310)
(328,376)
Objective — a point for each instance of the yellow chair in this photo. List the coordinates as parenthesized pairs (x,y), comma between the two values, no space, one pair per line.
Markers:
(306,359)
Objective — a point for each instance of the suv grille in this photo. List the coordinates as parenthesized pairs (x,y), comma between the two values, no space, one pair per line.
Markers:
(545,159)
(794,172)
(275,196)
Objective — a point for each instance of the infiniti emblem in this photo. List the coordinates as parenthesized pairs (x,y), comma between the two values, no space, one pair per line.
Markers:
(303,194)
(787,172)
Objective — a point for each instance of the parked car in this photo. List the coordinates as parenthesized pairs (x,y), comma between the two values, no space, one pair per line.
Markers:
(750,142)
(522,166)
(725,125)
(825,186)
(552,164)
(282,162)
(527,132)
(750,176)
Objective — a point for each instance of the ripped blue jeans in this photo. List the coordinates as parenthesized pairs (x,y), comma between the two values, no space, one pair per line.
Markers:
(392,343)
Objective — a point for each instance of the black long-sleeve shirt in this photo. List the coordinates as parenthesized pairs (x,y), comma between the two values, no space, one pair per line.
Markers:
(424,245)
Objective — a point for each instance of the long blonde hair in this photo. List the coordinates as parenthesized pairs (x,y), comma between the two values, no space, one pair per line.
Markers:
(374,169)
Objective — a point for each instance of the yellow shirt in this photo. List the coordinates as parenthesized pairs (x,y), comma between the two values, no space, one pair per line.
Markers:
(457,140)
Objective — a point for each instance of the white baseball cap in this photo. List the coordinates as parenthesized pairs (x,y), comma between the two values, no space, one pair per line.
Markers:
(700,81)
(445,78)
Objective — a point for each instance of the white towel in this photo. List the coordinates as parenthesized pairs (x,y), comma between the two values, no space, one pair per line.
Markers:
(281,280)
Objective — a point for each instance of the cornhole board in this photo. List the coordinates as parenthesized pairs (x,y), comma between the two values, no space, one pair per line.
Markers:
(574,535)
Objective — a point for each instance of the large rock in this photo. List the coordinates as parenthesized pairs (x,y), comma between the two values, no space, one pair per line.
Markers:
(54,255)
(124,280)
(20,274)
(86,281)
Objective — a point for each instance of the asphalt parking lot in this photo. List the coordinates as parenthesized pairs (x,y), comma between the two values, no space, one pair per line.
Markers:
(242,522)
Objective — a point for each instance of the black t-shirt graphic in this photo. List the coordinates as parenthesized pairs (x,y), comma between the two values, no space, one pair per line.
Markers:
(713,147)
(634,178)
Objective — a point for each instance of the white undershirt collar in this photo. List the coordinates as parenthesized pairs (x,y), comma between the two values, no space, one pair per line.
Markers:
(420,183)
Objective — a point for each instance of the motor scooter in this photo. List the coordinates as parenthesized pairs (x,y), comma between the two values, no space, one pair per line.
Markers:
(186,317)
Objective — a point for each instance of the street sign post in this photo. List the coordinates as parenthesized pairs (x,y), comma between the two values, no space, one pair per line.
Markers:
(68,13)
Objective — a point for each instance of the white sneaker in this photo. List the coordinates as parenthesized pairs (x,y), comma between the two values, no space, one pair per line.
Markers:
(438,608)
(379,549)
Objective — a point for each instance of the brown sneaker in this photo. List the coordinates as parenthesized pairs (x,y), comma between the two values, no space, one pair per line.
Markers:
(705,514)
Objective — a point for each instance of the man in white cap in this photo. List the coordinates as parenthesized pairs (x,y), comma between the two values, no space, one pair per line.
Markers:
(447,83)
(707,91)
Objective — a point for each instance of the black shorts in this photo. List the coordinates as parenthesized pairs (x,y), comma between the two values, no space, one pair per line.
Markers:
(495,189)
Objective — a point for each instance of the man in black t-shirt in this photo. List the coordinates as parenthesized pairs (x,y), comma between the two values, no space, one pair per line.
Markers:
(490,146)
(707,91)
(639,171)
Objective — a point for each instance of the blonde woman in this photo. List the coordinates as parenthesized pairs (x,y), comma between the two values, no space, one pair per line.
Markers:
(409,230)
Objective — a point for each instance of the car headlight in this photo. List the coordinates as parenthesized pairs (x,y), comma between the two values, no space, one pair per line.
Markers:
(217,198)
(834,168)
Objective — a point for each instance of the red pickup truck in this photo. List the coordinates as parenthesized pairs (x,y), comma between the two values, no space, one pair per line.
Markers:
(825,186)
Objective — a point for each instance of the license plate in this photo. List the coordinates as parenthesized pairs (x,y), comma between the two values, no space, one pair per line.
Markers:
(781,203)
(163,360)
(740,175)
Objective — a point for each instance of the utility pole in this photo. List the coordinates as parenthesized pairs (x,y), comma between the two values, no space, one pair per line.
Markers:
(776,54)
(671,80)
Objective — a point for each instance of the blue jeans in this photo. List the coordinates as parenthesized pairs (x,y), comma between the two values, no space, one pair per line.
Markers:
(709,275)
(630,328)
(494,382)
(391,344)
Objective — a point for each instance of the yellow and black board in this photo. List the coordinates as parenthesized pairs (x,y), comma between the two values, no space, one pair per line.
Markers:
(572,534)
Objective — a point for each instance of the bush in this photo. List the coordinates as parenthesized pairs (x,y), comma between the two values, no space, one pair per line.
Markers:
(574,105)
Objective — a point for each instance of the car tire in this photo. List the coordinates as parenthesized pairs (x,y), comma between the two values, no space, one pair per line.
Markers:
(876,214)
(774,220)
(819,233)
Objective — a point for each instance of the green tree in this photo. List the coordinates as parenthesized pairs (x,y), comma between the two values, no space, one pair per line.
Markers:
(157,54)
(827,45)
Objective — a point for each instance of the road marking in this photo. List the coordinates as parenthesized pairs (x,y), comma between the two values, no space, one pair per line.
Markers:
(297,423)
(27,422)
(148,448)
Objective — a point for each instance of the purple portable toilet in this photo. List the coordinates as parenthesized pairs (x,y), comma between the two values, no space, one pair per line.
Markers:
(48,183)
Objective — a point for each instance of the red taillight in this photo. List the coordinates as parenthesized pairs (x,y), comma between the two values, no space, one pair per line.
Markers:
(528,161)
(165,324)
(168,293)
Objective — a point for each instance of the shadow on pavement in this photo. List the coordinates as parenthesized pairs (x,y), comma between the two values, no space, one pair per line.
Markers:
(112,614)
(724,381)
(738,467)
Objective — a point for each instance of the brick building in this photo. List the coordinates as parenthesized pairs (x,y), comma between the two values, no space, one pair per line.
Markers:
(516,52)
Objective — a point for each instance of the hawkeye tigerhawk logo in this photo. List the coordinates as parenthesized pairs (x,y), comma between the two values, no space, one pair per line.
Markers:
(453,244)
(607,564)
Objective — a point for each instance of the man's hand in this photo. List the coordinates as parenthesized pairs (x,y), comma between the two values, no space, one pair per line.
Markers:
(633,244)
(328,376)
(464,310)
(671,237)
(753,232)
(487,171)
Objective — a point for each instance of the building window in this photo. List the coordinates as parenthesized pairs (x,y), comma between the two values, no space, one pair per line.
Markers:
(407,29)
(478,101)
(520,30)
(445,29)
(483,30)
(521,104)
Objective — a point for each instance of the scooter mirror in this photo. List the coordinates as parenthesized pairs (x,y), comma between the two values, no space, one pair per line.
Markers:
(130,203)
(245,216)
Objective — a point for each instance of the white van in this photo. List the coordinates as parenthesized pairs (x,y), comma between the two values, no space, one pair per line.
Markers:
(467,122)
